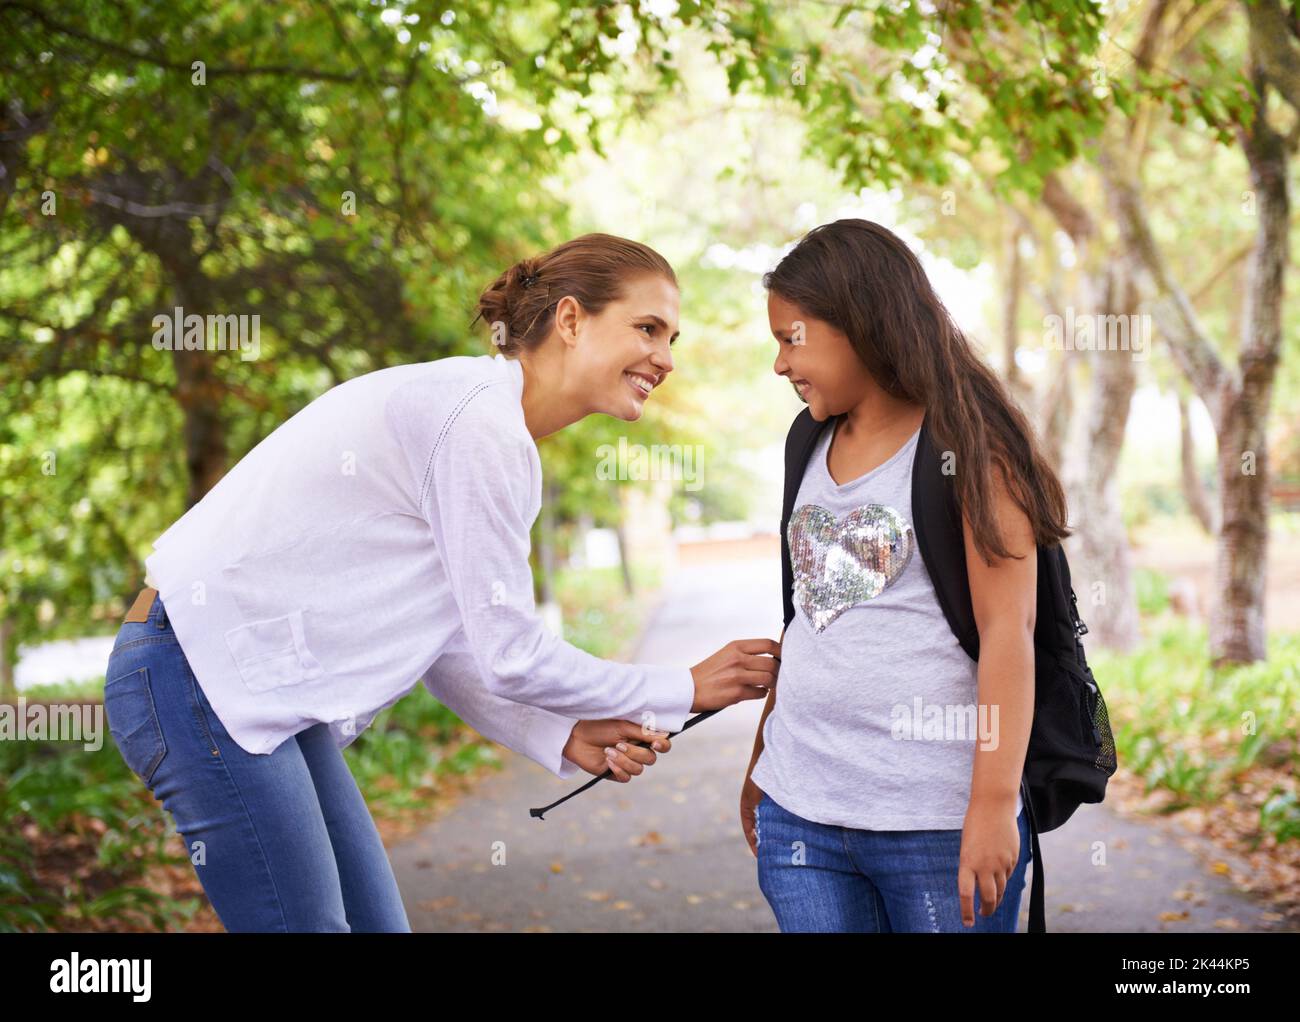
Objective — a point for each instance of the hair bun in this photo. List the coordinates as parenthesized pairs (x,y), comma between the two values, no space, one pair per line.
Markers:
(594,269)
(526,272)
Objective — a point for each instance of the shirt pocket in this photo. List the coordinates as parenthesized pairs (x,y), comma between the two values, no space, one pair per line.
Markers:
(272,653)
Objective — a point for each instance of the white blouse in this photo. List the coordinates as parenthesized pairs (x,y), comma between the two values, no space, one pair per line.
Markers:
(378,538)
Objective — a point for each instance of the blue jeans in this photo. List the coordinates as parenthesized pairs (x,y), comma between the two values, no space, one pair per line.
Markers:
(828,879)
(281,842)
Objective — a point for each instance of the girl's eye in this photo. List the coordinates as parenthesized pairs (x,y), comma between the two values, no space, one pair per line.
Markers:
(648,326)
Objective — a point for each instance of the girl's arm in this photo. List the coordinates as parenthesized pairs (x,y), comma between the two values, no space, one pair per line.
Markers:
(1004,596)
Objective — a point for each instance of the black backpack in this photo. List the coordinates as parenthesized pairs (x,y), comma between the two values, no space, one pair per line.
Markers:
(1071,752)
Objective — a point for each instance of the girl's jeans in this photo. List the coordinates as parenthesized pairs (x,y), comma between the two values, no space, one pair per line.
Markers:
(822,878)
(280,842)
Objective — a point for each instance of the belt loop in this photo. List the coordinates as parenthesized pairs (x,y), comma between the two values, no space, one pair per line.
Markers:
(160,612)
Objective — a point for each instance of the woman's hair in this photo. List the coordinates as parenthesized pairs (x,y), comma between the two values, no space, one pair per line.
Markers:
(519,306)
(866,282)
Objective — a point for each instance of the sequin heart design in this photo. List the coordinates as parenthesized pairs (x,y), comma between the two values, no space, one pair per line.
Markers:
(838,564)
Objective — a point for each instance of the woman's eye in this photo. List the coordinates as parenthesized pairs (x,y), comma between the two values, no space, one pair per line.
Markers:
(648,326)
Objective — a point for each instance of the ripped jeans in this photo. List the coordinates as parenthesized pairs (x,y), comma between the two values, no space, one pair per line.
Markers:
(829,879)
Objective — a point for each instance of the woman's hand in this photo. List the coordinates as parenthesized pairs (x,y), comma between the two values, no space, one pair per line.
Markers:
(990,851)
(737,671)
(750,795)
(590,738)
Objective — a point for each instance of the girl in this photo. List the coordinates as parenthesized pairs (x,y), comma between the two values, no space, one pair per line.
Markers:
(381,536)
(867,808)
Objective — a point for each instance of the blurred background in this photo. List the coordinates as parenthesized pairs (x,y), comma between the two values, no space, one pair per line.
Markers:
(354,173)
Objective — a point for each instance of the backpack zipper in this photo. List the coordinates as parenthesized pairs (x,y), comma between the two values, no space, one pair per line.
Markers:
(1079,627)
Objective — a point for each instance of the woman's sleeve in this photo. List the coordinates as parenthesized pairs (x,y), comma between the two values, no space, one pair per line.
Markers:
(476,493)
(538,734)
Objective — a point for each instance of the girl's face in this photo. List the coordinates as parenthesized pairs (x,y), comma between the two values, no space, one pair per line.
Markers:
(620,355)
(817,359)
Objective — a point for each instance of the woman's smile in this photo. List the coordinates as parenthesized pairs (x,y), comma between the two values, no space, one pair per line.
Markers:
(641,383)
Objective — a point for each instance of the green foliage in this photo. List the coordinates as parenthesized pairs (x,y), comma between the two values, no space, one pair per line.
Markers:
(398,759)
(83,817)
(1280,815)
(352,175)
(1152,591)
(599,615)
(1197,732)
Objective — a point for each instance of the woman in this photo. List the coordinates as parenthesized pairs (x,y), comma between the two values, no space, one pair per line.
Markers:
(864,814)
(379,536)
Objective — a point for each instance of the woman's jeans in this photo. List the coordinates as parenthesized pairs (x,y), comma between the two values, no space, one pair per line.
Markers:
(281,842)
(829,879)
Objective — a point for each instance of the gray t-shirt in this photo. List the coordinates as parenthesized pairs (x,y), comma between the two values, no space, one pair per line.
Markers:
(876,718)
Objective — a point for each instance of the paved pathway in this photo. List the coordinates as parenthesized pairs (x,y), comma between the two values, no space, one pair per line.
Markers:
(665,852)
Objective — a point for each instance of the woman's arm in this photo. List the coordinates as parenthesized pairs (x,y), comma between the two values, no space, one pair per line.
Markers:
(472,479)
(561,744)
(539,734)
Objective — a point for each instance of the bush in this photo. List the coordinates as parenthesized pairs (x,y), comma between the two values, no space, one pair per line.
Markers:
(1198,732)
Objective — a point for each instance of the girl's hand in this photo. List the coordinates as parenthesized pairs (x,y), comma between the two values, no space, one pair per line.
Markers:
(990,850)
(590,738)
(750,795)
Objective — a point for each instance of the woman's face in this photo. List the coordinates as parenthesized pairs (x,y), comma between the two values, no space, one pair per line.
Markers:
(621,354)
(817,359)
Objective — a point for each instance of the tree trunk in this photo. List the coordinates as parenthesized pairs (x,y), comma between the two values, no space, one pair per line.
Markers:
(199,393)
(1237,626)
(1101,566)
(546,545)
(1100,563)
(1238,405)
(1012,290)
(8,661)
(629,586)
(1198,501)
(1055,413)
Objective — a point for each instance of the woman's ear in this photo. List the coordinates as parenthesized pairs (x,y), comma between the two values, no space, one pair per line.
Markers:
(569,315)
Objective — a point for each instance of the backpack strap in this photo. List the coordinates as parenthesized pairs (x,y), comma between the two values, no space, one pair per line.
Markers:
(1037,909)
(936,522)
(799,444)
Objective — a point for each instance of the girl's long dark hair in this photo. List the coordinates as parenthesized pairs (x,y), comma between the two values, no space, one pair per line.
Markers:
(865,281)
